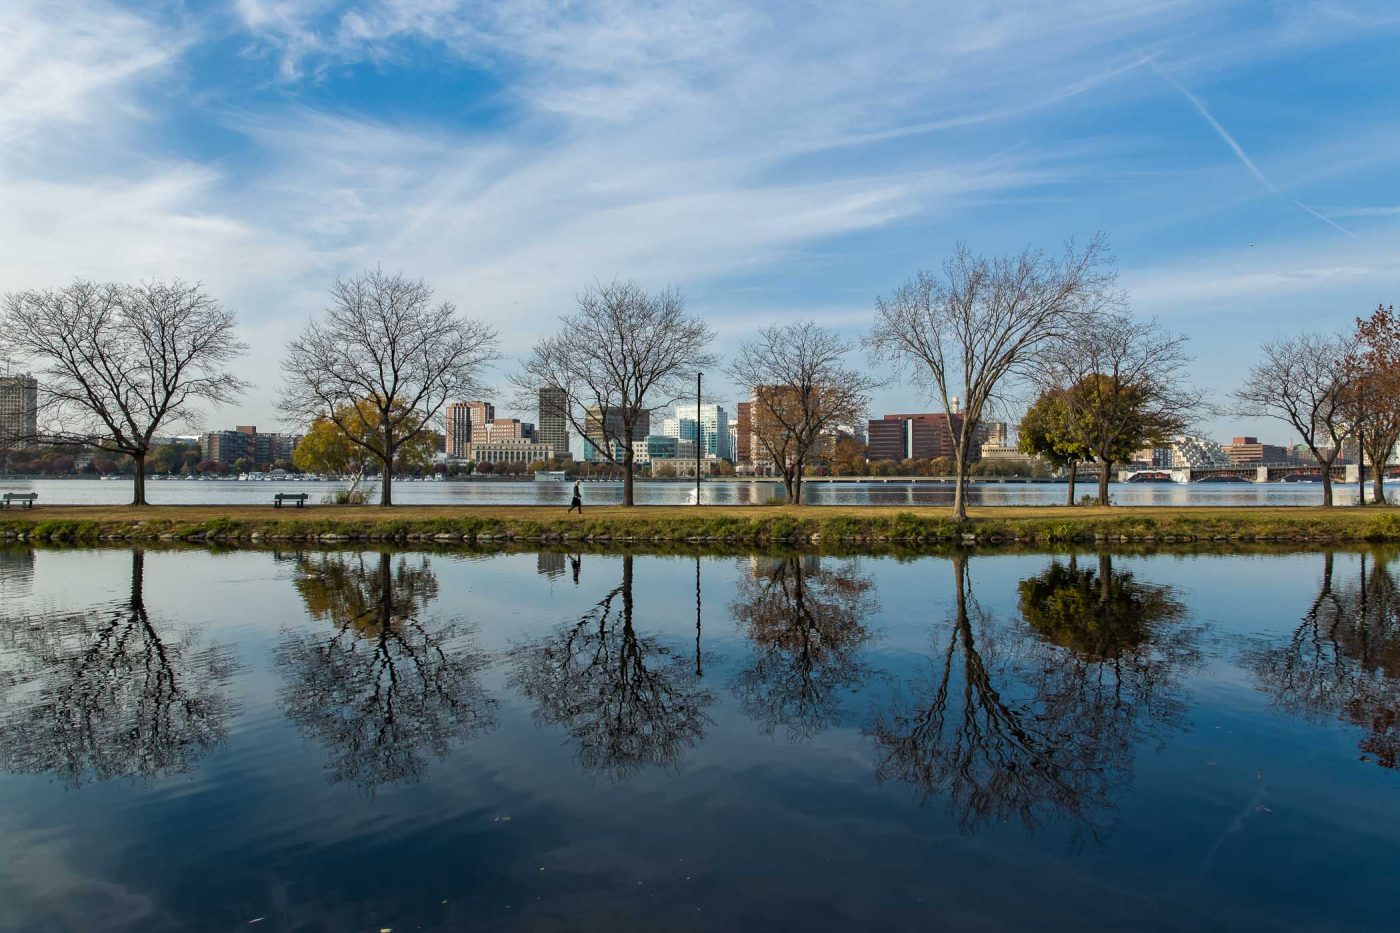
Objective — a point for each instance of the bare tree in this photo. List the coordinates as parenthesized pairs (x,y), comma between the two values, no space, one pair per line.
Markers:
(1302,382)
(963,334)
(383,362)
(802,394)
(1124,385)
(117,364)
(621,357)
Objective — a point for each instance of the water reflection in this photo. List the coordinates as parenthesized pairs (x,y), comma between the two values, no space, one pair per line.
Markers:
(626,701)
(16,572)
(1038,719)
(806,622)
(1343,658)
(109,693)
(388,686)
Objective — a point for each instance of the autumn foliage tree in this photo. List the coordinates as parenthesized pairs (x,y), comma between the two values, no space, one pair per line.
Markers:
(1046,431)
(344,444)
(1372,393)
(1124,387)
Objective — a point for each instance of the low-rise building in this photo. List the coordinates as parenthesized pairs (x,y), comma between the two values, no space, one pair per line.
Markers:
(509,450)
(660,446)
(1004,453)
(684,466)
(245,442)
(1244,450)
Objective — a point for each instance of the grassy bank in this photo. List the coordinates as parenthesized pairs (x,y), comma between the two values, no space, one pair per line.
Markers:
(734,524)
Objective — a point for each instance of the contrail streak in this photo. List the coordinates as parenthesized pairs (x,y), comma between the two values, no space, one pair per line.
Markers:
(1243,156)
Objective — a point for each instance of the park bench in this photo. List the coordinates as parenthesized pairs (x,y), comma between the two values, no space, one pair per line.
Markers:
(298,497)
(26,497)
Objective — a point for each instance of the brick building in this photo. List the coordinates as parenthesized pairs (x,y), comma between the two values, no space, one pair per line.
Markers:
(925,436)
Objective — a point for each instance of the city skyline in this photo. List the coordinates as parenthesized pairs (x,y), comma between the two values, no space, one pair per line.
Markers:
(1238,158)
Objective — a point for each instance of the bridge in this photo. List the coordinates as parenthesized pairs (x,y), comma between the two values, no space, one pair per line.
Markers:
(1247,473)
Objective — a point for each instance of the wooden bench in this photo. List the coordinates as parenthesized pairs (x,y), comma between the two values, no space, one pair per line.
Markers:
(298,497)
(26,497)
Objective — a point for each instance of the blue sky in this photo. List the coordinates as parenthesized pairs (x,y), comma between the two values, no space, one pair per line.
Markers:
(774,162)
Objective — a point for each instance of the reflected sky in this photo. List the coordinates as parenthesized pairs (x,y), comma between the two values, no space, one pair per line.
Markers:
(368,739)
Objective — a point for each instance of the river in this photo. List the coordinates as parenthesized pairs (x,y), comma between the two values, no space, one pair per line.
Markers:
(364,740)
(719,492)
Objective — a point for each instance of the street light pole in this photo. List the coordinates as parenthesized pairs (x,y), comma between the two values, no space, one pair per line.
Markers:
(697,438)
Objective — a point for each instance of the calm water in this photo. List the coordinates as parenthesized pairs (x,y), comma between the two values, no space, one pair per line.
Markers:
(364,740)
(196,492)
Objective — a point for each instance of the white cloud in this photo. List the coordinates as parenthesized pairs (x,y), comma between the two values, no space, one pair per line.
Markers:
(681,144)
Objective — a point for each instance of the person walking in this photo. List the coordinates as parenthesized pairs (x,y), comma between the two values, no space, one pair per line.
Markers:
(577,502)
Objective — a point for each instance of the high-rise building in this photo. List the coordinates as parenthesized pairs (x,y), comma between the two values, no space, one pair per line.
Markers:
(602,427)
(743,431)
(708,426)
(459,430)
(466,422)
(245,443)
(553,420)
(19,410)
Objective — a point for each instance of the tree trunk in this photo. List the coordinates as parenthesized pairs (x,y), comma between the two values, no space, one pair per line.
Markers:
(797,485)
(386,481)
(1360,469)
(628,495)
(786,473)
(960,465)
(1378,480)
(1326,484)
(1073,473)
(138,479)
(1103,481)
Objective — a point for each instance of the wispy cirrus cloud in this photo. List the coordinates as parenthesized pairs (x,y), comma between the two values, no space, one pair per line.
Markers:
(817,151)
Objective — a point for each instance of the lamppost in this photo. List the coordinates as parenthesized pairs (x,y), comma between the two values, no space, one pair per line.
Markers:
(698,440)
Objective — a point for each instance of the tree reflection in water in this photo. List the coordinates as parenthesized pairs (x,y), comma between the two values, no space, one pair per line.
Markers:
(806,623)
(112,693)
(626,701)
(1037,719)
(1343,658)
(386,688)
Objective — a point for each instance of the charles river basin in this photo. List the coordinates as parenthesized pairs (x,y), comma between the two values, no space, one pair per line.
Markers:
(884,492)
(312,740)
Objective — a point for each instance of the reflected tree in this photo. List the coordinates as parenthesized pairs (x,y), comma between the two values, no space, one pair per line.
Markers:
(386,688)
(102,694)
(627,701)
(1016,723)
(1342,660)
(806,623)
